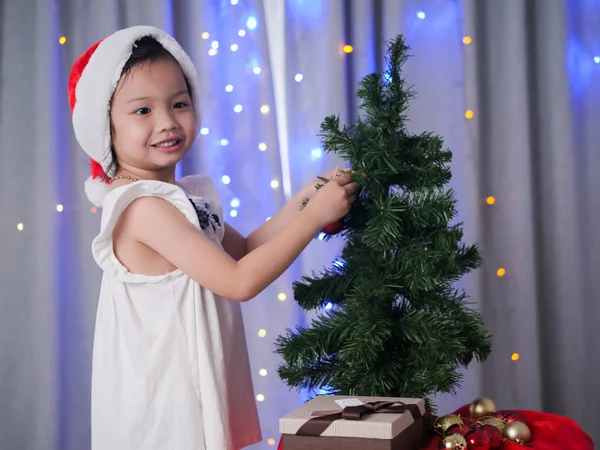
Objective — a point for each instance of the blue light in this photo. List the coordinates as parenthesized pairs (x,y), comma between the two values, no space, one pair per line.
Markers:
(251,23)
(214,44)
(225,179)
(421,15)
(388,78)
(235,202)
(224,142)
(256,70)
(316,153)
(597,59)
(233,213)
(204,131)
(238,108)
(299,77)
(329,305)
(322,235)
(235,2)
(339,264)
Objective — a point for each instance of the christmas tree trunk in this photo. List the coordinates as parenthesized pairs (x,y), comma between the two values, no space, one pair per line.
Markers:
(398,327)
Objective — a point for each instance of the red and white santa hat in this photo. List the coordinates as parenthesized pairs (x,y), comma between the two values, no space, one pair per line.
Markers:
(93,80)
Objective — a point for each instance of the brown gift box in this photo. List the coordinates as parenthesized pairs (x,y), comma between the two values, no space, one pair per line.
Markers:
(377,431)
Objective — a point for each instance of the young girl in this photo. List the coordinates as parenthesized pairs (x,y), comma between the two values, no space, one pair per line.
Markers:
(170,365)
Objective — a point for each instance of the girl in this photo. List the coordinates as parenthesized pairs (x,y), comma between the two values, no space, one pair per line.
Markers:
(170,366)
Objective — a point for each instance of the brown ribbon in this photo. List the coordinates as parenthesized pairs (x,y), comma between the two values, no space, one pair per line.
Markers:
(317,425)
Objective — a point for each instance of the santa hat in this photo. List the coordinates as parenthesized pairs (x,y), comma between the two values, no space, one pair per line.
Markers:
(93,80)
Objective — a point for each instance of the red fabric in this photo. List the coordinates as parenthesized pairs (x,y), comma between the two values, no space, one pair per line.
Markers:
(98,172)
(76,71)
(550,432)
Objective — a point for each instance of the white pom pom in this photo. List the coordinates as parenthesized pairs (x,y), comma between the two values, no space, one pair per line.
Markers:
(96,190)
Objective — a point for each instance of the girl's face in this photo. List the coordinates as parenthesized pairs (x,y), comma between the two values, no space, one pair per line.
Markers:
(152,119)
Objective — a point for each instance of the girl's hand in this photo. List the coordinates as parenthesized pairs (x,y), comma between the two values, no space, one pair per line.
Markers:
(310,189)
(334,200)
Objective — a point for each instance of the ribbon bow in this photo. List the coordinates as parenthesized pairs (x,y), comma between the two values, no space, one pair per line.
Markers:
(317,425)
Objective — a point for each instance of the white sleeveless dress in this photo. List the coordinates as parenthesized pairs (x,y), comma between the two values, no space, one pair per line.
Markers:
(170,364)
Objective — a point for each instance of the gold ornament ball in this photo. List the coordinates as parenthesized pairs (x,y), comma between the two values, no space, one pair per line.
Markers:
(494,421)
(442,424)
(453,441)
(517,432)
(482,406)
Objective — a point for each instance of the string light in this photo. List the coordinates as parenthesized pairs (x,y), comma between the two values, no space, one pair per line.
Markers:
(262,147)
(268,218)
(501,272)
(251,23)
(205,35)
(316,153)
(235,202)
(262,372)
(234,47)
(242,33)
(467,40)
(271,441)
(234,2)
(204,131)
(490,200)
(214,44)
(238,108)
(260,398)
(597,59)
(212,52)
(329,305)
(62,40)
(256,70)
(225,179)
(20,226)
(59,208)
(233,213)
(348,49)
(421,15)
(229,88)
(265,109)
(274,184)
(469,114)
(262,332)
(224,142)
(515,357)
(94,210)
(298,77)
(281,297)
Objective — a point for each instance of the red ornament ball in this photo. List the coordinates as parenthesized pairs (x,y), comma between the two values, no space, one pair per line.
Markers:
(514,416)
(478,440)
(494,434)
(334,228)
(460,429)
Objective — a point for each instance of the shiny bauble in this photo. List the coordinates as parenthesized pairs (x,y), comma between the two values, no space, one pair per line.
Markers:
(517,432)
(334,228)
(493,421)
(453,441)
(443,424)
(514,416)
(478,440)
(482,406)
(494,434)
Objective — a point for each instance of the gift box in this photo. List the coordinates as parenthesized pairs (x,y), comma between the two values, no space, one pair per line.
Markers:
(355,423)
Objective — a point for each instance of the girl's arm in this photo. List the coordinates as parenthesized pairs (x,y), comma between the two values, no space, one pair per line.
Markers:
(238,246)
(157,224)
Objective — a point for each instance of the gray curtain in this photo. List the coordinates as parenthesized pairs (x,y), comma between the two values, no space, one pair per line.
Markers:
(529,76)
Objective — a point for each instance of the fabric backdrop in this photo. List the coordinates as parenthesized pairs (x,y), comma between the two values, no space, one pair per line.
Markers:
(530,76)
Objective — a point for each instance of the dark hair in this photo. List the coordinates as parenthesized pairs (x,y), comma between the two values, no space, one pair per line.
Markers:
(145,50)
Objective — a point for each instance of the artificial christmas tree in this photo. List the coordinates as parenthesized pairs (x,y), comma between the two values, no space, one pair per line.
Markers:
(398,327)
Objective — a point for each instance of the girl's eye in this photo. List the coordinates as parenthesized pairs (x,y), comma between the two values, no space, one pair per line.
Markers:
(180,105)
(143,111)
